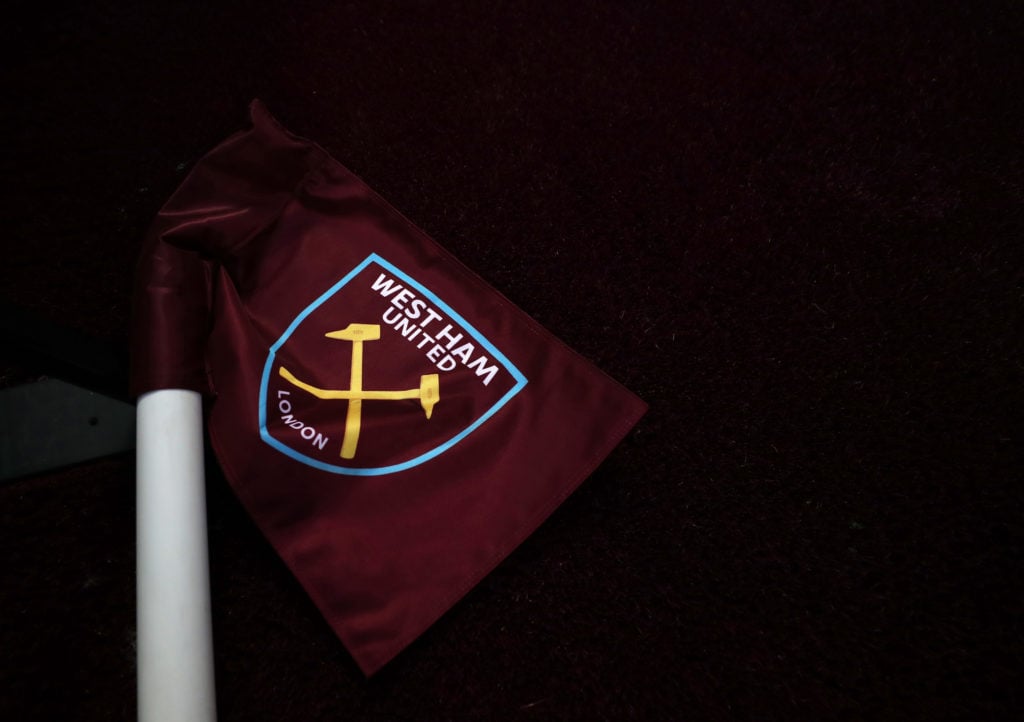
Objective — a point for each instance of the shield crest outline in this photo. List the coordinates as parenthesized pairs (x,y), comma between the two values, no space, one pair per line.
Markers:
(373,258)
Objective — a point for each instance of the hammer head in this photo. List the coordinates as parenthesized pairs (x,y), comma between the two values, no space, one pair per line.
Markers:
(357,332)
(430,392)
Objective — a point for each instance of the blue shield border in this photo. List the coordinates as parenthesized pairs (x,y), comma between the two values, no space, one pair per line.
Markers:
(436,451)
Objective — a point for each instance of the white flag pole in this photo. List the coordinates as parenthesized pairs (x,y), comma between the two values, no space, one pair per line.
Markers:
(175,643)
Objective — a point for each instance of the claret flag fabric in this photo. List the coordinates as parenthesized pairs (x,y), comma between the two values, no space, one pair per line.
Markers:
(393,424)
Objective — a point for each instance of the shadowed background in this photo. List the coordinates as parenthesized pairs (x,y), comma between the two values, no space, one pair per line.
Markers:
(794,229)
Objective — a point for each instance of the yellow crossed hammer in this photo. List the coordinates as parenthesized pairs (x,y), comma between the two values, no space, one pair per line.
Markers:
(428,393)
